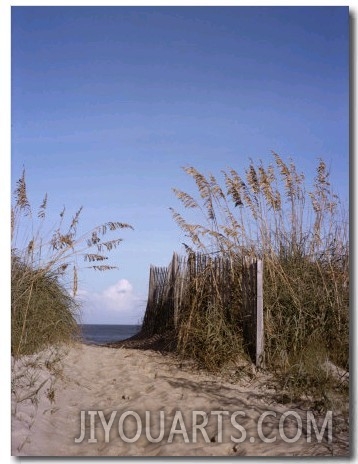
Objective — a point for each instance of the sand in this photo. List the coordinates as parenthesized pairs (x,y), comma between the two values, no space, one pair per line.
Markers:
(154,405)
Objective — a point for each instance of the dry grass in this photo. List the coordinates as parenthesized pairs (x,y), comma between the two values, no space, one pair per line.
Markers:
(208,330)
(302,235)
(44,272)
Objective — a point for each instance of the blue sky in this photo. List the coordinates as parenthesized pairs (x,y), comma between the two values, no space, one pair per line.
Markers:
(108,103)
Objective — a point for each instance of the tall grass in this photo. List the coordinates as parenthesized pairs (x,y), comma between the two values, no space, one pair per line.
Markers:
(42,310)
(207,329)
(44,271)
(301,233)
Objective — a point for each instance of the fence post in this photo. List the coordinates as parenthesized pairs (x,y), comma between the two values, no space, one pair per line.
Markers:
(259,315)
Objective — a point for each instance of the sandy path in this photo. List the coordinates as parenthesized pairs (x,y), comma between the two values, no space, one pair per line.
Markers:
(122,380)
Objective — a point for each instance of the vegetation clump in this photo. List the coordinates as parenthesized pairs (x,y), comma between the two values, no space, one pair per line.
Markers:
(302,236)
(44,272)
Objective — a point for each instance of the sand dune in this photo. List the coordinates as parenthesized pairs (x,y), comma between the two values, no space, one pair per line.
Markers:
(157,407)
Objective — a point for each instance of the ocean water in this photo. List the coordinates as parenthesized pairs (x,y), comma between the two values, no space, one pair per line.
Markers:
(101,333)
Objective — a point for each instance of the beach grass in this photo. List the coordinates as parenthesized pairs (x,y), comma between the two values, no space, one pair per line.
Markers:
(44,271)
(301,232)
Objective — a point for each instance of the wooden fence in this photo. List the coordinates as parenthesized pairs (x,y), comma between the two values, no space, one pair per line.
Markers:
(203,281)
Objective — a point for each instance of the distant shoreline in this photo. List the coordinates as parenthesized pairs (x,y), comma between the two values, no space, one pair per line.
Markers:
(102,334)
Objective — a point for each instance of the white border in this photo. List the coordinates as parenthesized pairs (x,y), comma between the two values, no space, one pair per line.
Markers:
(5,125)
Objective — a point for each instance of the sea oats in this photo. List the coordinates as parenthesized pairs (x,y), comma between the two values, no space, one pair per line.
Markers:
(43,307)
(303,238)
